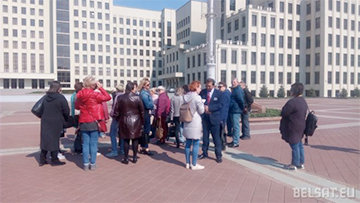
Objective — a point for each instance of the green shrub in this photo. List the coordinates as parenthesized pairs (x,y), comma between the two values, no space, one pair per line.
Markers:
(356,92)
(343,93)
(312,93)
(268,113)
(264,92)
(281,92)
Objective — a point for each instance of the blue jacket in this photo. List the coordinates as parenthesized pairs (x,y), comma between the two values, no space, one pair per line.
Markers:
(226,102)
(237,102)
(147,100)
(215,106)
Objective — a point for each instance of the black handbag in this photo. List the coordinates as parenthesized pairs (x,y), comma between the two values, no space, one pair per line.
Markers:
(38,108)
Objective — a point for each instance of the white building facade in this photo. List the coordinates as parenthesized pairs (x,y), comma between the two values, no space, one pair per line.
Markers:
(270,42)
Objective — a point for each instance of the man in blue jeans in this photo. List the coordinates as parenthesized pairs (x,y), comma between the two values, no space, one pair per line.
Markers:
(248,100)
(237,106)
(115,125)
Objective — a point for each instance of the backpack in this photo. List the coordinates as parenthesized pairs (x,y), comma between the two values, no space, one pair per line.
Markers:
(311,125)
(185,113)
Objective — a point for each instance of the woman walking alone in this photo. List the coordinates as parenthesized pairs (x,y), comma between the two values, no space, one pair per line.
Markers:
(293,124)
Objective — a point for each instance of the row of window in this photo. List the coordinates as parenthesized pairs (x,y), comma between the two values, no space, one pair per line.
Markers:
(272,41)
(330,24)
(135,22)
(92,71)
(289,7)
(23,22)
(338,59)
(263,57)
(337,41)
(15,45)
(23,33)
(129,62)
(24,62)
(272,23)
(316,78)
(338,6)
(92,4)
(23,10)
(183,22)
(91,15)
(270,75)
(20,83)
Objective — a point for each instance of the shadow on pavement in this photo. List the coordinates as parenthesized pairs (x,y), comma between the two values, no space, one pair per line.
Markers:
(35,155)
(349,150)
(259,160)
(165,157)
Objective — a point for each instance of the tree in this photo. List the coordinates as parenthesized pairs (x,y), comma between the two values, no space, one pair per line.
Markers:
(356,92)
(343,93)
(264,92)
(281,92)
(312,93)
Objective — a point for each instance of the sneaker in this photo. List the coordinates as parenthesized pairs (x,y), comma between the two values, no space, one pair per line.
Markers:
(290,167)
(98,153)
(86,167)
(245,138)
(102,135)
(61,156)
(197,167)
(93,167)
(187,166)
(301,167)
(112,154)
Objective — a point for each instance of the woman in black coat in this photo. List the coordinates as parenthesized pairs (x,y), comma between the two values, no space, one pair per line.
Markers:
(129,112)
(292,125)
(53,119)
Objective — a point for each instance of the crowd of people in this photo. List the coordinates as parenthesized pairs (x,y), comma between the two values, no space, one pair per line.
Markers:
(138,111)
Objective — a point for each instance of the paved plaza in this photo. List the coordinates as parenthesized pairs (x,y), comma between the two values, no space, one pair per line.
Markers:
(251,173)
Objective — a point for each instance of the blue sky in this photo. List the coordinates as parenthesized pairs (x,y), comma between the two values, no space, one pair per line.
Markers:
(157,5)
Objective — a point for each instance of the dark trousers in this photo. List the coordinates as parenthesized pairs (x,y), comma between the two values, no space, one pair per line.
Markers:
(147,126)
(215,133)
(134,143)
(222,134)
(164,126)
(177,129)
(43,154)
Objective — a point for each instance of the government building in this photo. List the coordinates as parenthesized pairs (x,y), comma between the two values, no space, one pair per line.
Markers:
(262,42)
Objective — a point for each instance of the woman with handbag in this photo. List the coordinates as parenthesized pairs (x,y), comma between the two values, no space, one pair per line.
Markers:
(129,112)
(54,116)
(89,101)
(193,130)
(162,111)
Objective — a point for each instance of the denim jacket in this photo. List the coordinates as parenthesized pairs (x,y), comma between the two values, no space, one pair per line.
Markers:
(147,99)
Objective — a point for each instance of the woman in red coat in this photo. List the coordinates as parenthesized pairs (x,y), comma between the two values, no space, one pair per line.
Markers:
(89,101)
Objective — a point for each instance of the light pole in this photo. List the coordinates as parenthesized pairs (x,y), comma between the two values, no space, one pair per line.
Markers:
(211,66)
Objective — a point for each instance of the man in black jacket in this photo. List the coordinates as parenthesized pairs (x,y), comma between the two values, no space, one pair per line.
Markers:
(248,100)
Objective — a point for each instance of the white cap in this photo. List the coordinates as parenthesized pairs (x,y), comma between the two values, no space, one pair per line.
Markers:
(161,88)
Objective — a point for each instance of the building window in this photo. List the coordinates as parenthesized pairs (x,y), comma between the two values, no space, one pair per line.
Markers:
(281,59)
(262,58)
(329,58)
(233,56)
(281,24)
(281,41)
(223,75)
(289,60)
(308,60)
(223,56)
(289,43)
(308,25)
(253,20)
(253,39)
(272,22)
(317,77)
(317,59)
(307,78)
(317,5)
(317,40)
(290,25)
(308,9)
(281,7)
(263,21)
(243,57)
(290,10)
(253,58)
(317,23)
(253,77)
(263,40)
(344,78)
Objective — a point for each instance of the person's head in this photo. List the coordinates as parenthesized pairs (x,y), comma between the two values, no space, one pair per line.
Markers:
(186,88)
(90,82)
(222,86)
(130,87)
(55,87)
(120,88)
(161,89)
(195,86)
(179,91)
(78,86)
(297,89)
(144,84)
(210,84)
(235,82)
(153,91)
(242,84)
